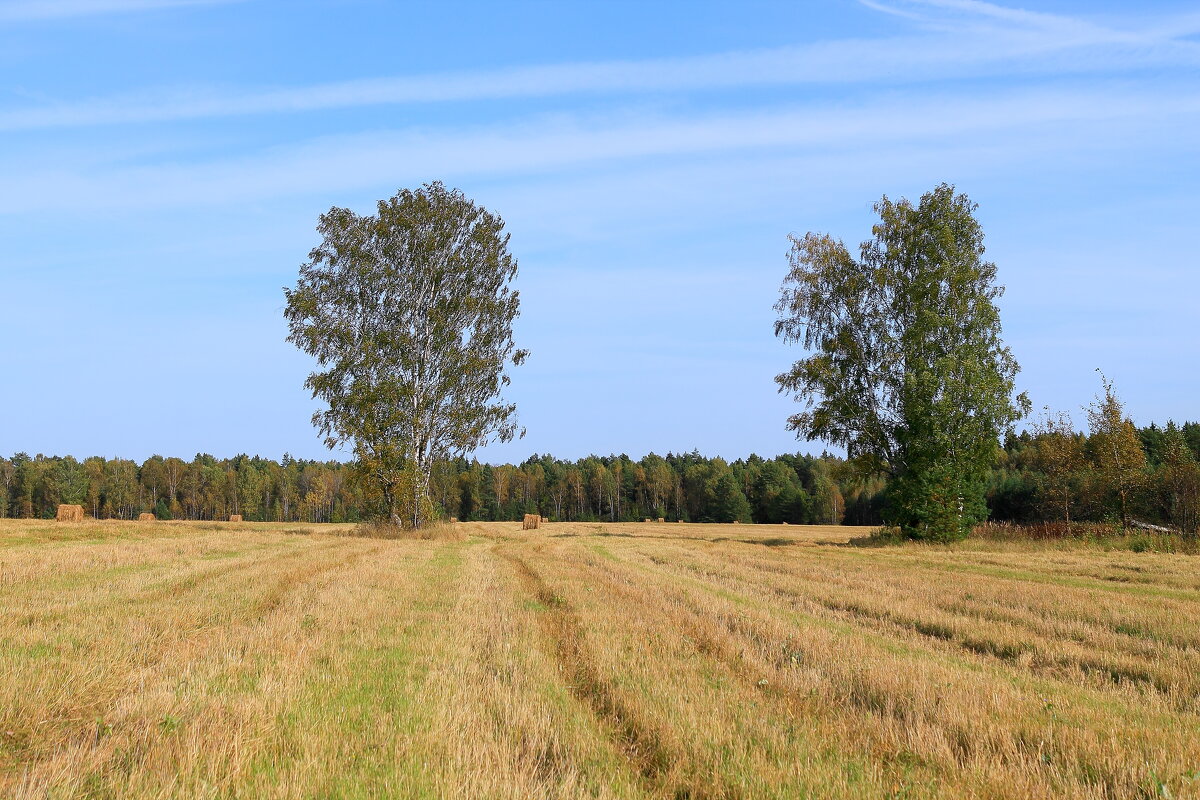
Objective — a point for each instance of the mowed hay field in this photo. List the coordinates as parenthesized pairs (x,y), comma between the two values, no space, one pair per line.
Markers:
(144,660)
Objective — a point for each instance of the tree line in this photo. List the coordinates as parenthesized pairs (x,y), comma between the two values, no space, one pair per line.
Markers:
(1118,474)
(1049,472)
(790,488)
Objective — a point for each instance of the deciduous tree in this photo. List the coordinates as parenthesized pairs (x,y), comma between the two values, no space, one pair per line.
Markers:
(1179,479)
(1057,453)
(409,314)
(907,368)
(1117,449)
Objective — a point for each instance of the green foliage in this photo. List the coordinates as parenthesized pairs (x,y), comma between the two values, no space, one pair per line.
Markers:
(777,495)
(726,503)
(1119,459)
(1178,481)
(409,313)
(936,502)
(907,369)
(1057,453)
(799,489)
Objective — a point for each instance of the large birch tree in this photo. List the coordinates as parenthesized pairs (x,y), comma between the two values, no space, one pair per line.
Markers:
(906,369)
(409,314)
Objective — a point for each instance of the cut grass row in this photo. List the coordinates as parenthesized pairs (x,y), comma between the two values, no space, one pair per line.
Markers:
(618,661)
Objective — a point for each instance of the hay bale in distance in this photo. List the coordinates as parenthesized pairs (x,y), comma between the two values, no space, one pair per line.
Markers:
(146,516)
(783,523)
(69,513)
(453,520)
(662,519)
(235,517)
(531,522)
(647,519)
(737,522)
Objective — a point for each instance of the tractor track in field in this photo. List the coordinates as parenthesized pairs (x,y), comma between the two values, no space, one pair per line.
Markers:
(641,746)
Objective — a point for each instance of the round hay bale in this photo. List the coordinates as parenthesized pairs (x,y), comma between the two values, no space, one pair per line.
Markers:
(69,513)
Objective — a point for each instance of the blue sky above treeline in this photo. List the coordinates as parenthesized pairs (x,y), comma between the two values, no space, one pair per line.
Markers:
(163,164)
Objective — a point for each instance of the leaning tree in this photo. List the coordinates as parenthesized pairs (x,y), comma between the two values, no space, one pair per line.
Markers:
(409,314)
(906,368)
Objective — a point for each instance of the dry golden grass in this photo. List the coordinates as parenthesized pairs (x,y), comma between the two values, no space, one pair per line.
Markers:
(639,660)
(69,513)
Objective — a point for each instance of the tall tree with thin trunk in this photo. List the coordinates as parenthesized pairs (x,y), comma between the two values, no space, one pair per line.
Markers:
(907,369)
(409,314)
(1116,448)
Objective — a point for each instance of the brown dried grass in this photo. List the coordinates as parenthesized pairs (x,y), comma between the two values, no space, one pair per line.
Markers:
(619,661)
(382,529)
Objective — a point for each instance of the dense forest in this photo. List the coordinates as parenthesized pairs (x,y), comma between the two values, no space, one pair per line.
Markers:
(792,488)
(1045,474)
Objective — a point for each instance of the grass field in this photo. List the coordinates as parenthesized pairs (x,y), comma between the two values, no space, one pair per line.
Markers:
(582,660)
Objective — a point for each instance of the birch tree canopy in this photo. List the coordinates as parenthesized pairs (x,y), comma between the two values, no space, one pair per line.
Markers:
(409,314)
(907,369)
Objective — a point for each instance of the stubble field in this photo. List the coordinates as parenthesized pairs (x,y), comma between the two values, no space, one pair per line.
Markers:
(145,660)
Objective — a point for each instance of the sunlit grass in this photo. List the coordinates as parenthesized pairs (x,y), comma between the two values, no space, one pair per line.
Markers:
(610,660)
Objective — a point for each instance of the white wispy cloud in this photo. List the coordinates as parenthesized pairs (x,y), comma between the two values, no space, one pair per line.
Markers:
(1066,118)
(24,10)
(980,8)
(1020,41)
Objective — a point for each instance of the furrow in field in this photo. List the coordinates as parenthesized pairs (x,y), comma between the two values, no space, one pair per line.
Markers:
(641,746)
(1075,645)
(910,698)
(727,728)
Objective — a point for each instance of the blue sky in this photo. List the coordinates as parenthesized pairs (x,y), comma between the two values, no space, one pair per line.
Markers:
(163,164)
